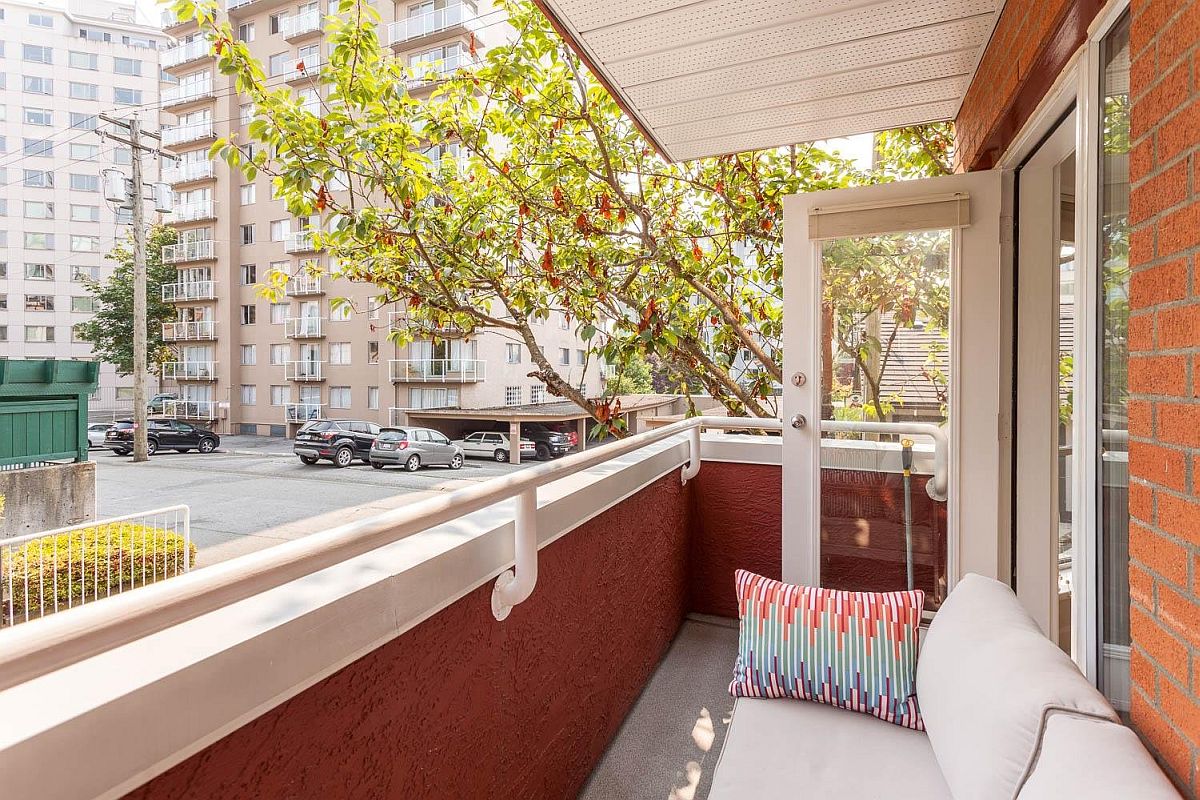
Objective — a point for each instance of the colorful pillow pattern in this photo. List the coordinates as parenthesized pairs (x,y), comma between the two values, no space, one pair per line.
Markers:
(853,650)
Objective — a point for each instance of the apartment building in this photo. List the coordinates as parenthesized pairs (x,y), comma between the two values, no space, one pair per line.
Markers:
(248,365)
(61,64)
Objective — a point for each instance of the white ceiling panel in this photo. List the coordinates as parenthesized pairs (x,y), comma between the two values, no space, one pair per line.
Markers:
(720,76)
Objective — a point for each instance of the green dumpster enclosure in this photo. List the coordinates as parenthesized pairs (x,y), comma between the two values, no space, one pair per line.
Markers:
(43,409)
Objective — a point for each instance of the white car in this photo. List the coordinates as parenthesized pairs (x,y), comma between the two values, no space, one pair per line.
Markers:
(96,431)
(486,444)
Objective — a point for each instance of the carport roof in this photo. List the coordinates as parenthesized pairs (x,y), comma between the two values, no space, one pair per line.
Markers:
(563,411)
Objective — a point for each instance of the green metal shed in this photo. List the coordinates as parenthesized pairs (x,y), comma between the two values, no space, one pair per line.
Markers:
(43,409)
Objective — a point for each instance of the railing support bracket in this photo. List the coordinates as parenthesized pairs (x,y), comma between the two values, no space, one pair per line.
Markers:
(692,468)
(515,585)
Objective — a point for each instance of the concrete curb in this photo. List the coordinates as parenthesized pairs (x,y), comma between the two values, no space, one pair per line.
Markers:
(260,453)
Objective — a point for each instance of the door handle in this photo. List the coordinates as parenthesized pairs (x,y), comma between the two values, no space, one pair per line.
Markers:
(799,422)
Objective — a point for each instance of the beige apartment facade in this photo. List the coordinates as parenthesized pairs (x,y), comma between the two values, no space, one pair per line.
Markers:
(248,365)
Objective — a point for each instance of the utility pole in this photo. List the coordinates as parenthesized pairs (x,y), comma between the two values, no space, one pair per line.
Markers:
(136,200)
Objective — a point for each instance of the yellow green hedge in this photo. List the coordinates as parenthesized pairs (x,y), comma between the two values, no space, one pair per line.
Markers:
(87,564)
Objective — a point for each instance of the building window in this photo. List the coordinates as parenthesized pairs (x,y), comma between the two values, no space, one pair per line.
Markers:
(122,155)
(280,63)
(246,32)
(247,193)
(373,397)
(512,352)
(279,312)
(84,60)
(84,122)
(41,20)
(537,393)
(127,97)
(246,113)
(84,91)
(36,53)
(80,273)
(127,66)
(280,395)
(36,209)
(581,357)
(39,116)
(339,396)
(83,305)
(38,148)
(279,229)
(248,234)
(340,312)
(512,395)
(3,302)
(564,356)
(3,333)
(339,353)
(84,244)
(38,179)
(85,213)
(39,302)
(249,394)
(39,333)
(85,183)
(249,355)
(280,353)
(39,241)
(35,85)
(249,274)
(80,151)
(248,314)
(372,352)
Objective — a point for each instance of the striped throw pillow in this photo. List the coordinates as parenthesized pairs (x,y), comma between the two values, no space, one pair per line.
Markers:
(853,650)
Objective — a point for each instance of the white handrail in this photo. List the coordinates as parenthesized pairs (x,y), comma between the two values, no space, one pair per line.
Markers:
(54,642)
(938,485)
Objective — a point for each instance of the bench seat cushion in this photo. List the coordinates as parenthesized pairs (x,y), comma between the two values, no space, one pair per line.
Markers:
(787,748)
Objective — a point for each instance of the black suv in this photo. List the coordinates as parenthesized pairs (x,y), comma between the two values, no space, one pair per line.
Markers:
(339,440)
(161,434)
(550,443)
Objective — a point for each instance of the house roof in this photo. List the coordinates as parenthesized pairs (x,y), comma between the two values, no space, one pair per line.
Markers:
(724,76)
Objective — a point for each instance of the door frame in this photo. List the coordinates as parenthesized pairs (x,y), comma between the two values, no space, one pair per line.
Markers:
(979,347)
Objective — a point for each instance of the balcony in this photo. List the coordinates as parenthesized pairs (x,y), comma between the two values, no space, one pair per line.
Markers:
(173,135)
(304,370)
(205,410)
(189,92)
(301,242)
(459,18)
(437,370)
(200,331)
(302,412)
(202,250)
(192,212)
(189,370)
(191,171)
(189,290)
(303,285)
(186,53)
(297,26)
(428,73)
(304,327)
(168,19)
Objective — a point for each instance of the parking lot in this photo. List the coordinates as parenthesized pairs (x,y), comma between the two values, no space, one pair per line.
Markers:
(254,493)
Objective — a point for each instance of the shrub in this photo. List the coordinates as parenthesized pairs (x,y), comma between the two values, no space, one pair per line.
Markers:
(87,564)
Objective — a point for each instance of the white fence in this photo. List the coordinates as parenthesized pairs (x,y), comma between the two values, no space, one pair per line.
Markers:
(41,573)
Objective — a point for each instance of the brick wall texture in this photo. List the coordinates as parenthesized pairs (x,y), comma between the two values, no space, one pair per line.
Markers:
(1164,381)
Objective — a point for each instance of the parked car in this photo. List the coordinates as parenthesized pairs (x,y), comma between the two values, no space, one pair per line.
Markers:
(415,448)
(487,444)
(161,434)
(155,406)
(96,431)
(339,440)
(548,443)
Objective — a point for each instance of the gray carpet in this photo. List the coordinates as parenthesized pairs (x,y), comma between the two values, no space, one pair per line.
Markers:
(669,744)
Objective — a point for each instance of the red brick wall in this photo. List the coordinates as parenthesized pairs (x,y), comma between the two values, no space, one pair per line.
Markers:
(1164,382)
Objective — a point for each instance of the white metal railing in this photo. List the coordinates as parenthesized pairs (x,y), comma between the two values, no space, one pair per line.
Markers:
(192,171)
(302,412)
(426,72)
(437,370)
(188,290)
(304,370)
(230,5)
(190,409)
(300,24)
(609,371)
(190,212)
(189,370)
(188,251)
(439,19)
(191,132)
(187,92)
(196,331)
(169,19)
(62,641)
(41,573)
(303,284)
(303,327)
(300,242)
(188,51)
(938,485)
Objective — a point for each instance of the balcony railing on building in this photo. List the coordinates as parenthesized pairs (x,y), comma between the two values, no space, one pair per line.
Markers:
(189,251)
(191,212)
(190,409)
(188,51)
(302,412)
(191,171)
(191,132)
(188,290)
(437,370)
(199,331)
(304,327)
(304,241)
(169,19)
(189,370)
(187,92)
(458,15)
(294,26)
(301,285)
(304,370)
(426,73)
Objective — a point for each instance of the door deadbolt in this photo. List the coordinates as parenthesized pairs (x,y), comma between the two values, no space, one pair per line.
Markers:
(799,379)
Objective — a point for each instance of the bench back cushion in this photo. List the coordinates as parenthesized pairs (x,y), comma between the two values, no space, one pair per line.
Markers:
(986,680)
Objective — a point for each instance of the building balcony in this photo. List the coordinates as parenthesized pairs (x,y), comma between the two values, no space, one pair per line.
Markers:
(298,26)
(303,285)
(189,92)
(192,171)
(205,410)
(189,290)
(173,135)
(193,212)
(302,412)
(200,331)
(304,327)
(301,242)
(186,53)
(304,370)
(457,18)
(437,370)
(168,20)
(203,250)
(429,73)
(189,370)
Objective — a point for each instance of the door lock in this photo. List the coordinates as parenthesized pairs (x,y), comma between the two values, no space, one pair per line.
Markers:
(798,421)
(799,379)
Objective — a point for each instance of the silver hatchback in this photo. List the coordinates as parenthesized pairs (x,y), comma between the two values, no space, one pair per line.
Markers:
(414,448)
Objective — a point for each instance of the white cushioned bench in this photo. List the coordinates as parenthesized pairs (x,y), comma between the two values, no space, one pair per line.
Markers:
(1007,715)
